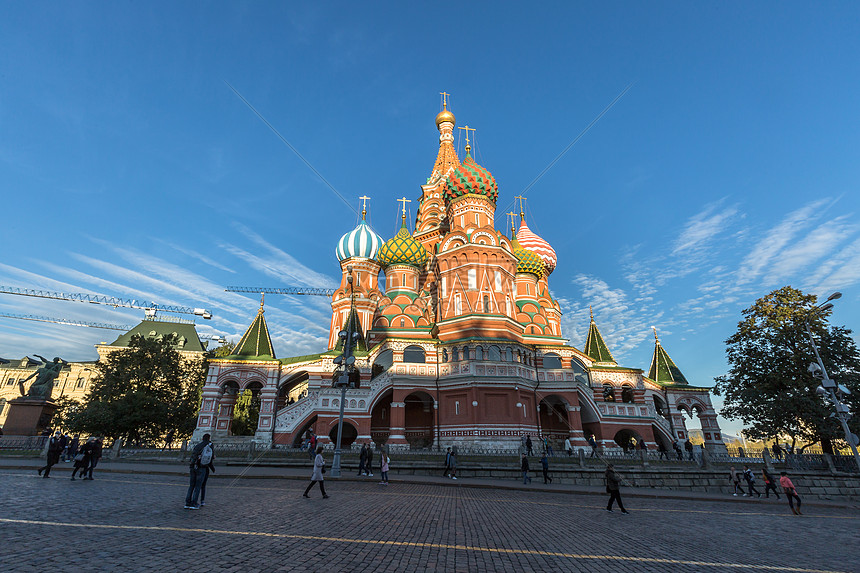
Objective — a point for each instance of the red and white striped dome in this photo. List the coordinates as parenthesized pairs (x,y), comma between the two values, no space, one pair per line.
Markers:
(528,240)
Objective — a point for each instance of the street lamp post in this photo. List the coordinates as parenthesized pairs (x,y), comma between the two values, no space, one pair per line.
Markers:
(345,360)
(829,387)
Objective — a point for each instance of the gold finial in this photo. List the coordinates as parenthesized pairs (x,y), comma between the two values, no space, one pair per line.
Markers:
(444,116)
(591,312)
(444,100)
(656,339)
(522,210)
(262,302)
(511,216)
(404,200)
(468,129)
(364,199)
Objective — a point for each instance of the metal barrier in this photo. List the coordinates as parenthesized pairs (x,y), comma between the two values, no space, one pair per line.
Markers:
(23,443)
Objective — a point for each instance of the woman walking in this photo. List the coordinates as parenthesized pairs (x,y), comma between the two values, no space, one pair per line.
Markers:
(83,459)
(790,493)
(317,475)
(613,488)
(384,469)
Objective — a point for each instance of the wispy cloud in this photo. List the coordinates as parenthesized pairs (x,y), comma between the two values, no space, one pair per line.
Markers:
(195,255)
(704,226)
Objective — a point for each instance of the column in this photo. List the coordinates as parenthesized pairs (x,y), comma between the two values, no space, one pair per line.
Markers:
(398,423)
(225,412)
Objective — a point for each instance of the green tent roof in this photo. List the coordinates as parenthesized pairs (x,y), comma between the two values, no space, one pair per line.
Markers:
(256,342)
(186,334)
(353,323)
(595,348)
(663,369)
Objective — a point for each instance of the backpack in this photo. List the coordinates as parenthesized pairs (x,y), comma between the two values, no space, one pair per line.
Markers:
(206,455)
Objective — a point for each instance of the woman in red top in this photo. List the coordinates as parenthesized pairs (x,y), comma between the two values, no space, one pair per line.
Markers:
(790,493)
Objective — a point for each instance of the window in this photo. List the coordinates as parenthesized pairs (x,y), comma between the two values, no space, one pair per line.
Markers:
(486,303)
(402,322)
(508,305)
(455,355)
(458,305)
(509,357)
(479,353)
(444,286)
(498,281)
(79,383)
(413,354)
(494,354)
(627,394)
(476,219)
(472,275)
(10,382)
(551,360)
(457,408)
(608,393)
(383,362)
(444,355)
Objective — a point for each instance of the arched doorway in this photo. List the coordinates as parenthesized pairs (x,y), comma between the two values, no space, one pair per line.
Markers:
(554,422)
(348,437)
(627,439)
(380,419)
(300,436)
(419,420)
(293,389)
(246,413)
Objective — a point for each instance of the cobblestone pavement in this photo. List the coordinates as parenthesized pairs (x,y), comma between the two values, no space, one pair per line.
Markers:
(137,523)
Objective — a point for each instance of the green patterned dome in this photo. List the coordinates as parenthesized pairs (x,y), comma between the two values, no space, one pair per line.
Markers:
(402,249)
(528,261)
(470,178)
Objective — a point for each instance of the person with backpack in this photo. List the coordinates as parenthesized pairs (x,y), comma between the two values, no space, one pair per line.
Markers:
(748,475)
(317,475)
(790,492)
(202,456)
(769,483)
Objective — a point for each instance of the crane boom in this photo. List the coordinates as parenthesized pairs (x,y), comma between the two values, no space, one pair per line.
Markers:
(104,325)
(285,290)
(149,307)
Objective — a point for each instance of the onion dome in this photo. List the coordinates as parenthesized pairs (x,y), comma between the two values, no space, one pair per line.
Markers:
(402,249)
(528,261)
(471,178)
(444,116)
(360,242)
(528,240)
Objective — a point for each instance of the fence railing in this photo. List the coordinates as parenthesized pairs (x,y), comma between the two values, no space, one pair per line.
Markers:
(23,443)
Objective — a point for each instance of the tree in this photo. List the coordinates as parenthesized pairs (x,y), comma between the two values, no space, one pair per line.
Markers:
(768,385)
(141,393)
(245,414)
(225,349)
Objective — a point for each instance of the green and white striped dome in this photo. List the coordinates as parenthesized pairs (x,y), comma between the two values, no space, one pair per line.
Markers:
(360,242)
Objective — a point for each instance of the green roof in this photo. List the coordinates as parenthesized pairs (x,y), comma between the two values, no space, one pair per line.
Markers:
(595,348)
(256,342)
(353,323)
(186,334)
(663,369)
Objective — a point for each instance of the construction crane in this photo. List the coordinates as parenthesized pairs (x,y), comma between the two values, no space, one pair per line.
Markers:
(285,290)
(106,326)
(150,308)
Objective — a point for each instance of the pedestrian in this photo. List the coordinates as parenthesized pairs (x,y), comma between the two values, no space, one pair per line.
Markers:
(447,462)
(370,459)
(769,483)
(748,475)
(211,468)
(547,447)
(544,462)
(317,475)
(790,492)
(613,488)
(777,451)
(362,460)
(568,447)
(83,459)
(529,444)
(735,477)
(593,444)
(454,463)
(384,469)
(661,447)
(677,449)
(55,449)
(64,444)
(524,466)
(97,455)
(202,455)
(688,445)
(312,444)
(73,448)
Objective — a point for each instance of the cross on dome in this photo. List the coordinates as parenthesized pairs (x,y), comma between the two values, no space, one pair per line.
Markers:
(364,200)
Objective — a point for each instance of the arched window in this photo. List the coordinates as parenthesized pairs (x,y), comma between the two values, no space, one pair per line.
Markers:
(627,394)
(383,362)
(509,356)
(495,354)
(479,353)
(486,303)
(413,355)
(444,355)
(551,360)
(455,355)
(608,393)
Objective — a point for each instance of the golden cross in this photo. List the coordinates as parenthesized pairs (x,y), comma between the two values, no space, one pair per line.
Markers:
(364,199)
(404,200)
(512,215)
(468,129)
(522,211)
(444,99)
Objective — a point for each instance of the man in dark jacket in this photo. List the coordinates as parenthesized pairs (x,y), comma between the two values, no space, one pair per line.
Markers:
(544,462)
(524,465)
(97,455)
(55,448)
(202,457)
(688,445)
(370,460)
(362,460)
(529,445)
(613,488)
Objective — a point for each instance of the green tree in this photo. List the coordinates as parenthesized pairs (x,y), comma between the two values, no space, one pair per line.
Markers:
(245,414)
(225,349)
(768,386)
(142,393)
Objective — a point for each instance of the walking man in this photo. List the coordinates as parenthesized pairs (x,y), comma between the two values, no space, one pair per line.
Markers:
(454,464)
(613,488)
(677,449)
(55,448)
(544,462)
(97,455)
(735,477)
(524,465)
(748,475)
(790,493)
(529,444)
(362,460)
(688,445)
(447,462)
(593,444)
(769,483)
(568,447)
(201,456)
(370,459)
(777,451)
(317,475)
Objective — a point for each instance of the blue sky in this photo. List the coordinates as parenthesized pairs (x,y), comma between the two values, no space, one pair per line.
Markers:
(129,168)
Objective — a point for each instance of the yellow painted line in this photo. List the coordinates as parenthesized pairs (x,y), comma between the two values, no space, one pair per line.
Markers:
(579,556)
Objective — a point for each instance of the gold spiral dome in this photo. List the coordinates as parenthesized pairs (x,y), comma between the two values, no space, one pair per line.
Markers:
(443,116)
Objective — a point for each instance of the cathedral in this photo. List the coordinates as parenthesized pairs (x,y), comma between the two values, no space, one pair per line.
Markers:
(459,343)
